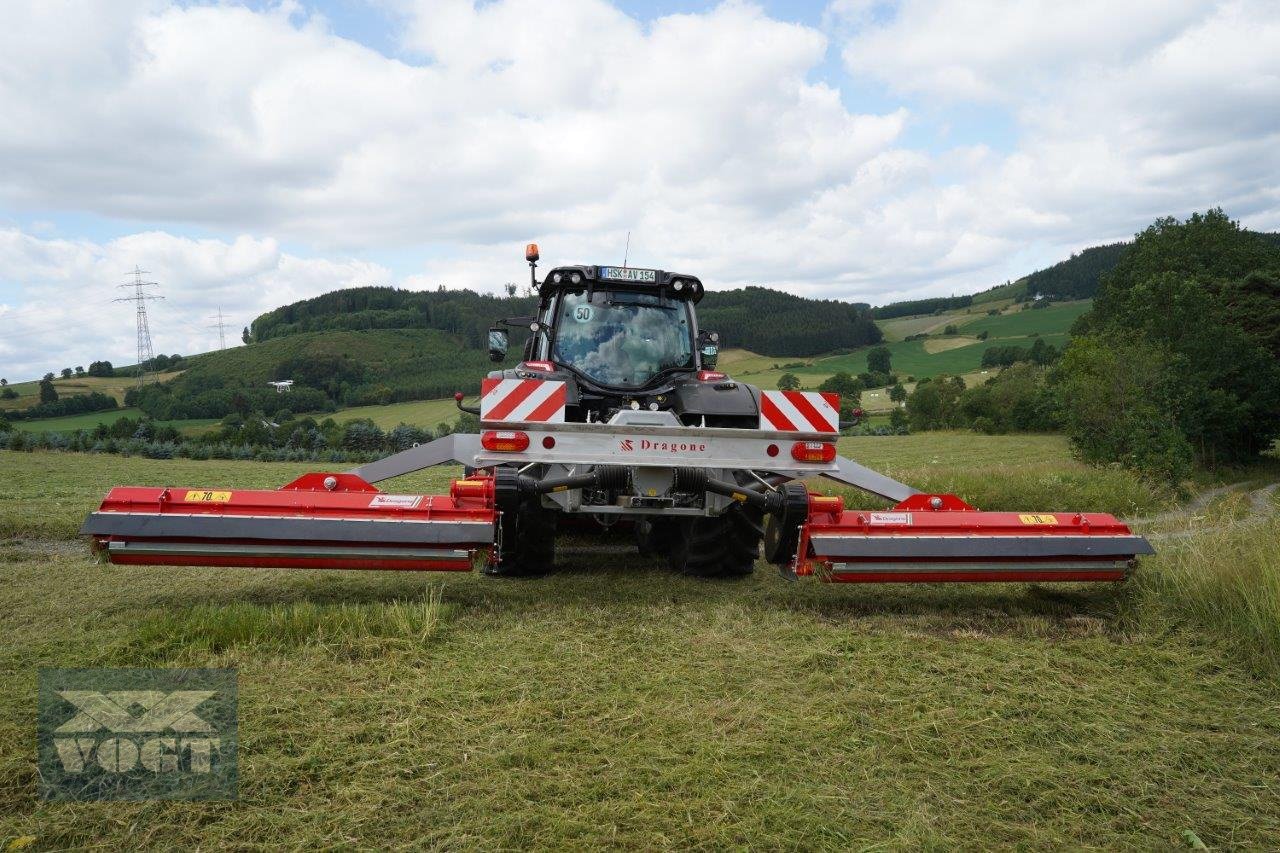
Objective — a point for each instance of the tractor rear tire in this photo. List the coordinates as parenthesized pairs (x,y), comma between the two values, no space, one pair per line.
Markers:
(723,546)
(528,542)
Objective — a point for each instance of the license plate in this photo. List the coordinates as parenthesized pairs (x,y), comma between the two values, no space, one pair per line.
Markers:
(629,274)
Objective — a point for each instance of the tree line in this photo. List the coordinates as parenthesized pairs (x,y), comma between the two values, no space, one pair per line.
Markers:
(913,307)
(755,318)
(290,438)
(1077,277)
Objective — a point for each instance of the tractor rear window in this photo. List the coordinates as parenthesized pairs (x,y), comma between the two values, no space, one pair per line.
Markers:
(622,339)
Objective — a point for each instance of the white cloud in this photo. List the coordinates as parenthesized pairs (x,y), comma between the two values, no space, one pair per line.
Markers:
(996,50)
(1124,111)
(528,117)
(708,136)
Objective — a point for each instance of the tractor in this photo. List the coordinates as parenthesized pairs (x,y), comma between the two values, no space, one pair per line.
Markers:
(616,415)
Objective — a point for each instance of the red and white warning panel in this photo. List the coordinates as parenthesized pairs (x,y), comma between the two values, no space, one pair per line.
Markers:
(522,401)
(800,411)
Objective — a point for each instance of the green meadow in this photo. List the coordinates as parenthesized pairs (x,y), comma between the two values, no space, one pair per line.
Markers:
(614,703)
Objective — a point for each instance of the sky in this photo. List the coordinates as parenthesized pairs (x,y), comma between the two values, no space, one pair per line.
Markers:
(251,154)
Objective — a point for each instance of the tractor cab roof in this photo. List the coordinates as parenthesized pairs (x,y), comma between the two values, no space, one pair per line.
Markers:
(671,284)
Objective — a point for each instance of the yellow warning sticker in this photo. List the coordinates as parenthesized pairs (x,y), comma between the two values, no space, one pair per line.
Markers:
(1038,519)
(207,497)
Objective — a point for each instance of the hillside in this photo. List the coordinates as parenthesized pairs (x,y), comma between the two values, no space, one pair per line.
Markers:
(955,354)
(408,375)
(329,369)
(776,323)
(463,313)
(113,386)
(373,346)
(755,318)
(1076,277)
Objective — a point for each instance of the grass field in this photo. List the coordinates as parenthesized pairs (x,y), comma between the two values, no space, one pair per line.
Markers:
(422,413)
(925,358)
(921,358)
(616,704)
(933,324)
(425,413)
(1056,319)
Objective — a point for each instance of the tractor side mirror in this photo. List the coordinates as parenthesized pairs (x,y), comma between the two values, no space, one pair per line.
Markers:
(709,348)
(498,343)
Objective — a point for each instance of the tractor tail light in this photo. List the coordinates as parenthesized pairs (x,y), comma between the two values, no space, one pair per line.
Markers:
(813,451)
(711,376)
(504,441)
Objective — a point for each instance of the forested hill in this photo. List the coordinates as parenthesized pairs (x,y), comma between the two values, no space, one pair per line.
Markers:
(771,322)
(1075,278)
(766,321)
(1078,276)
(460,312)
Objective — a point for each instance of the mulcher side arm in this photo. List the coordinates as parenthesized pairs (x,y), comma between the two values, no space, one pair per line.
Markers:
(458,447)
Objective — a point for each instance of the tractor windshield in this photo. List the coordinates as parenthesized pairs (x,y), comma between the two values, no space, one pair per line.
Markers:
(622,339)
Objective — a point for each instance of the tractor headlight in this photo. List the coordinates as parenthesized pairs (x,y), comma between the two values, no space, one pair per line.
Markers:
(576,278)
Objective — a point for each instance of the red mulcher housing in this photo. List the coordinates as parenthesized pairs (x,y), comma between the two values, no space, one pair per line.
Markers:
(705,469)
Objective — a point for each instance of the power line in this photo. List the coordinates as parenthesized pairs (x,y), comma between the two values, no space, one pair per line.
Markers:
(140,298)
(222,333)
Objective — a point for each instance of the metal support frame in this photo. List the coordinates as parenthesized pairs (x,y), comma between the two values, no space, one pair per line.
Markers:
(601,444)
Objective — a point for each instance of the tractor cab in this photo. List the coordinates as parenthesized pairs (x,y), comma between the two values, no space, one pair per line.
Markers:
(617,334)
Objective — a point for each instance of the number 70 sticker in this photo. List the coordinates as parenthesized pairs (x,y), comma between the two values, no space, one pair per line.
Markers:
(207,497)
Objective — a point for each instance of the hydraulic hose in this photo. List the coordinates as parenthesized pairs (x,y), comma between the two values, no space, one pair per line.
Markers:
(613,477)
(769,502)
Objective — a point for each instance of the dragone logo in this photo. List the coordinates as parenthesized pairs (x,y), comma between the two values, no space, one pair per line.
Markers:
(676,448)
(137,733)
